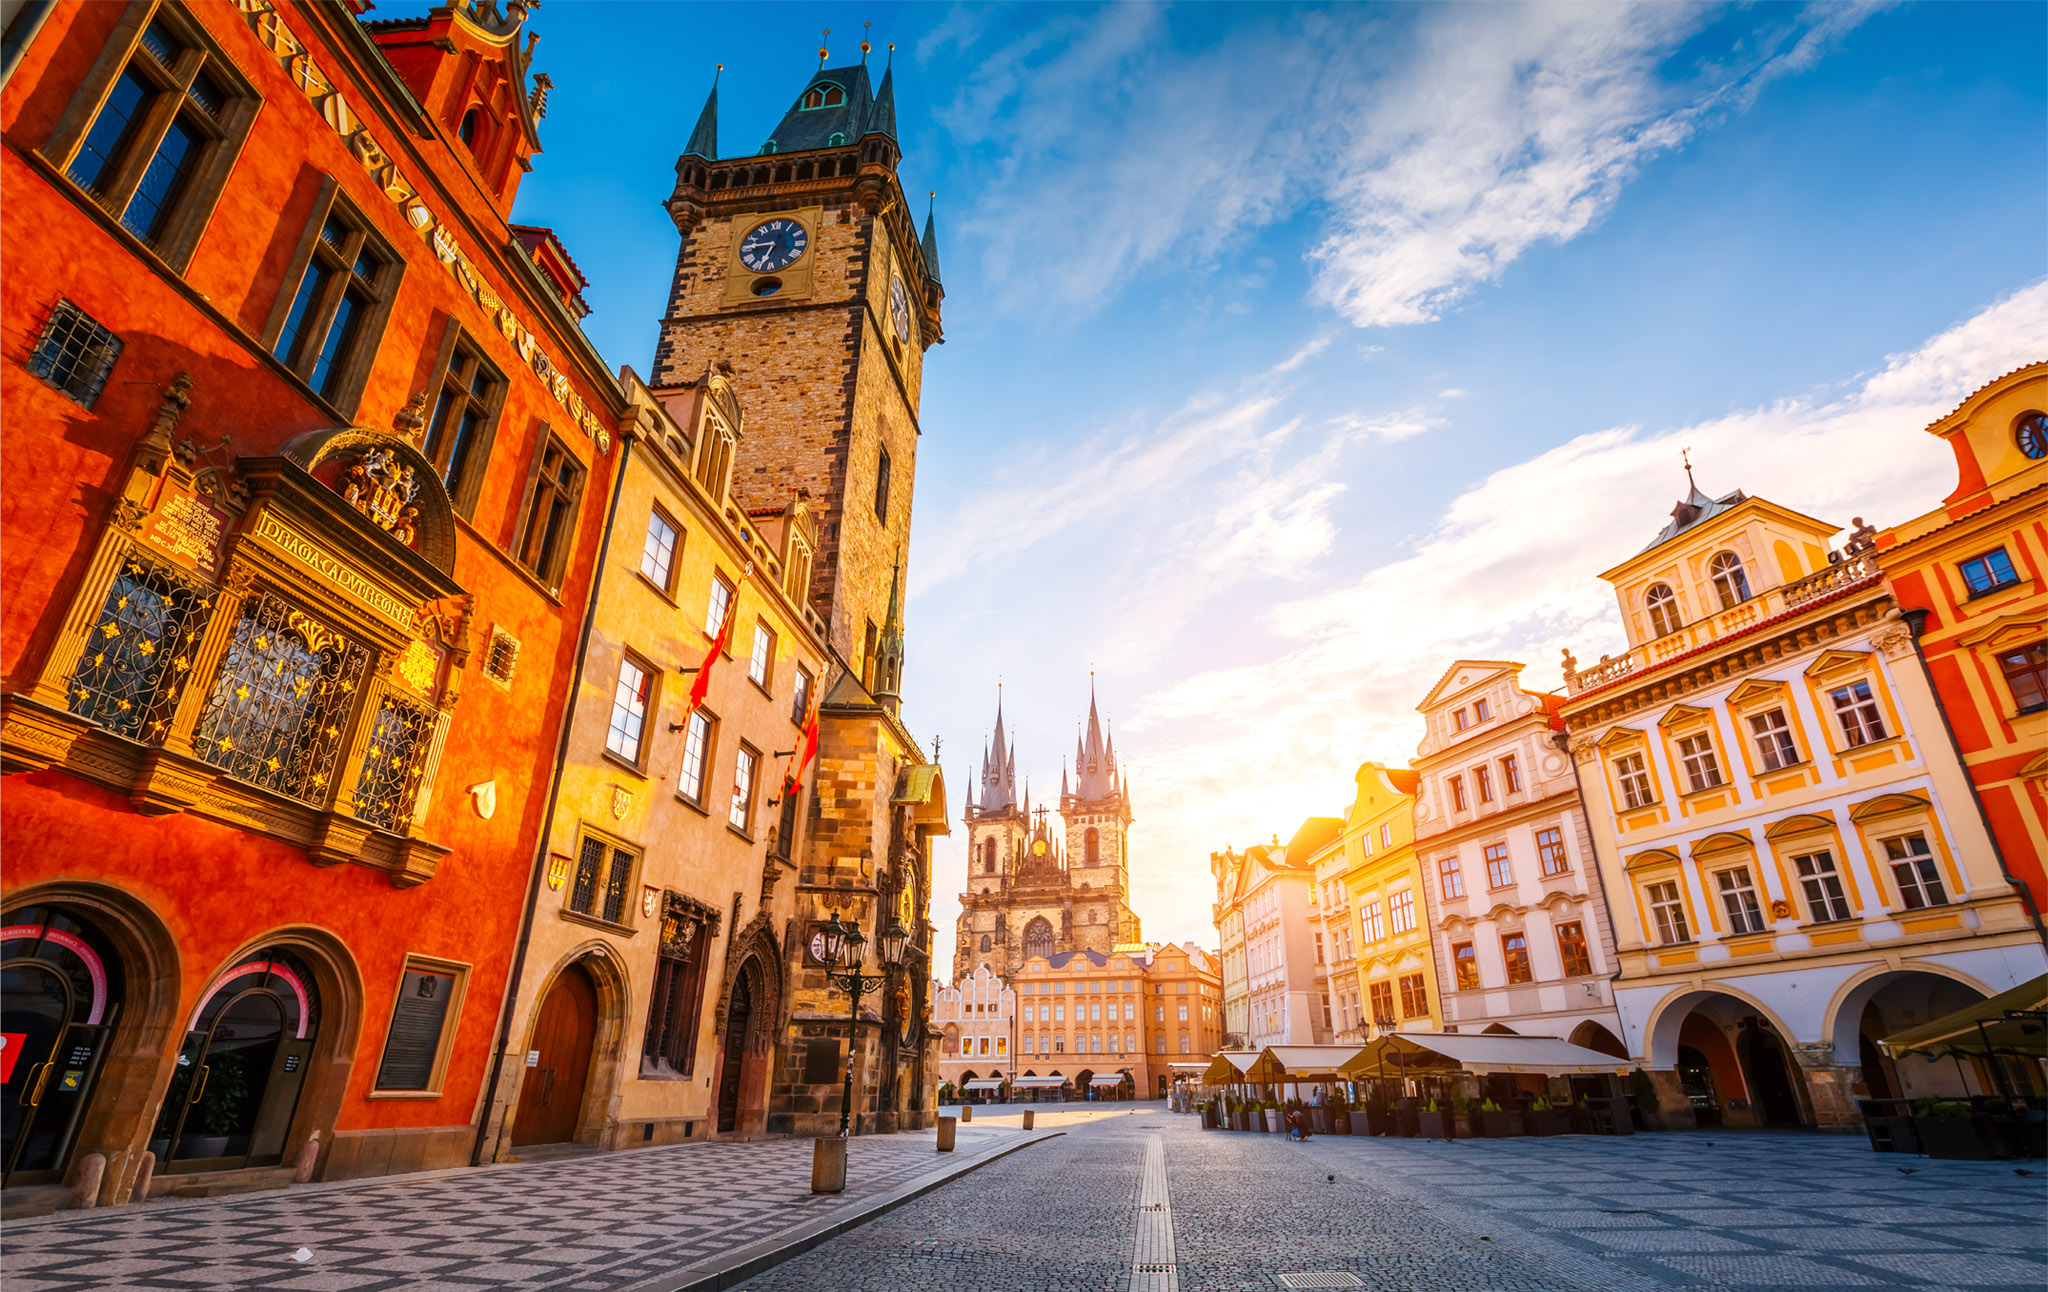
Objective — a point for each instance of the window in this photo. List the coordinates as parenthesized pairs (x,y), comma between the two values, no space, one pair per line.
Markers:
(547,527)
(675,1009)
(1514,948)
(1989,572)
(1462,718)
(1856,709)
(1372,922)
(1550,851)
(1663,606)
(629,711)
(1498,872)
(1467,962)
(1822,884)
(158,148)
(129,682)
(1571,950)
(1183,1013)
(416,1046)
(741,813)
(696,757)
(882,484)
(1731,584)
(984,942)
(1414,997)
(465,415)
(1702,768)
(1669,913)
(658,551)
(1511,774)
(603,873)
(799,709)
(1387,836)
(715,605)
(1319,948)
(1774,743)
(332,323)
(1449,877)
(1635,781)
(467,131)
(281,702)
(1482,778)
(1458,793)
(1401,911)
(1738,897)
(713,457)
(1481,710)
(75,354)
(2026,672)
(1159,1013)
(1915,870)
(761,664)
(1382,994)
(827,95)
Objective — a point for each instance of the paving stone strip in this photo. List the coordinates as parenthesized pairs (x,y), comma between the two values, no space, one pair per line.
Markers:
(1152,1263)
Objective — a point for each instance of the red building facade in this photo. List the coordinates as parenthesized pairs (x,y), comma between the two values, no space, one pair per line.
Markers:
(309,470)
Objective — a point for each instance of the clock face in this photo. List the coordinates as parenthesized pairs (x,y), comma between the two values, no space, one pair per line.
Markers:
(2032,435)
(818,947)
(775,244)
(899,309)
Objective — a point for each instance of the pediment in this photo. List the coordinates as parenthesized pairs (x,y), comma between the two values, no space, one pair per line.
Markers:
(1887,805)
(1804,823)
(1680,714)
(1834,661)
(1756,691)
(1651,857)
(1724,841)
(1465,674)
(1618,737)
(2006,631)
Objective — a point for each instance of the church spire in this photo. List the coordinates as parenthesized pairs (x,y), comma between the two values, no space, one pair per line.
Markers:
(704,139)
(931,237)
(882,117)
(999,767)
(889,651)
(1095,767)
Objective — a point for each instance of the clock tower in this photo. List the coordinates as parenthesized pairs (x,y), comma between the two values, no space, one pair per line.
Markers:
(801,267)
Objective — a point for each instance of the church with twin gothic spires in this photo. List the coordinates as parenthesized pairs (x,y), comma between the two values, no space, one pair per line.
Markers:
(1036,889)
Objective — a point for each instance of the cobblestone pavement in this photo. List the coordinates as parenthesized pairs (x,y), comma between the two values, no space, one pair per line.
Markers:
(591,1224)
(1741,1212)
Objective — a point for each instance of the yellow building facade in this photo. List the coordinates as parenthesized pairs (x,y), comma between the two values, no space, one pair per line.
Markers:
(1391,952)
(1787,841)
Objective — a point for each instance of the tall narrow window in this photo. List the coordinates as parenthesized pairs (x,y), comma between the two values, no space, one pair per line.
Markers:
(547,525)
(331,327)
(1414,996)
(465,415)
(658,550)
(1731,583)
(1401,911)
(603,874)
(696,757)
(713,457)
(1915,871)
(800,701)
(629,711)
(1450,878)
(1774,742)
(1514,948)
(1667,910)
(882,484)
(761,660)
(1467,961)
(2026,673)
(1550,851)
(281,702)
(1663,607)
(1372,923)
(1738,898)
(676,1005)
(1702,768)
(1387,835)
(715,604)
(1482,779)
(1822,883)
(741,812)
(1635,781)
(1856,709)
(1571,950)
(1482,709)
(1462,719)
(1498,872)
(1458,793)
(75,354)
(1511,774)
(129,678)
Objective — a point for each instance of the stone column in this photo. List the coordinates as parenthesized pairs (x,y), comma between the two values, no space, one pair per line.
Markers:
(1830,1086)
(1674,1106)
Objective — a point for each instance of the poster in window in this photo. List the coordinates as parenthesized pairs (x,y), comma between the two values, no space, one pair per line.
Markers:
(416,1027)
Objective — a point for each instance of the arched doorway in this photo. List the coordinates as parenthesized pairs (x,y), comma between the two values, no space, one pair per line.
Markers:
(61,991)
(1765,1062)
(746,1048)
(551,1096)
(1725,1060)
(1892,1002)
(739,1017)
(247,1051)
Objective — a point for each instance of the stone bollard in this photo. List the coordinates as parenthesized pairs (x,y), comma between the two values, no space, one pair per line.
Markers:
(144,1173)
(1030,1117)
(309,1157)
(966,1112)
(85,1191)
(947,1125)
(828,1164)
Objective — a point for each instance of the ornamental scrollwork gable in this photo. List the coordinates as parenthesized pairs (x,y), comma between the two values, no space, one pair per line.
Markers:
(273,643)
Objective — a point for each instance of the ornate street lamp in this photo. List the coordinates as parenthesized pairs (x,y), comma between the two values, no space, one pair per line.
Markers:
(845,949)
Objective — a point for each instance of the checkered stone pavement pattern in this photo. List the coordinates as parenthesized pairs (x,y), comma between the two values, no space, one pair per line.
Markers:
(590,1224)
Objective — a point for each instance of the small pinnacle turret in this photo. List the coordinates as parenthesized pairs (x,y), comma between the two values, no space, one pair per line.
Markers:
(704,139)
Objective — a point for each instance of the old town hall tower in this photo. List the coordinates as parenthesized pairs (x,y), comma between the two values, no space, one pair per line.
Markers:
(1031,892)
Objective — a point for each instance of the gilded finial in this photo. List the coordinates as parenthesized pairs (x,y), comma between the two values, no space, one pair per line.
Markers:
(1685,456)
(864,46)
(821,48)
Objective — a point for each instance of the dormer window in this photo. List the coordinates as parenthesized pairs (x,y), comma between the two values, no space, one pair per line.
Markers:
(836,140)
(823,96)
(1663,606)
(1730,583)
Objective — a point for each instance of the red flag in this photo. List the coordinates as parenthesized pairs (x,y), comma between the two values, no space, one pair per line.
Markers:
(702,686)
(806,748)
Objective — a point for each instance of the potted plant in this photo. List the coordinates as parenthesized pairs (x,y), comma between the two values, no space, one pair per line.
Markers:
(1463,1116)
(1432,1122)
(1407,1114)
(1497,1122)
(1545,1118)
(1950,1129)
(1340,1118)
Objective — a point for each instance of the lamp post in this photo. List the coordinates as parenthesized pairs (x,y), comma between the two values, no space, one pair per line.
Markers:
(845,950)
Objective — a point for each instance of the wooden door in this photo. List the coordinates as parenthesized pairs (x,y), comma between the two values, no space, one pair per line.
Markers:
(551,1097)
(739,1015)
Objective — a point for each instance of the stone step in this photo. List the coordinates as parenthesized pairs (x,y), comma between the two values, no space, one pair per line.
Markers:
(23,1201)
(219,1184)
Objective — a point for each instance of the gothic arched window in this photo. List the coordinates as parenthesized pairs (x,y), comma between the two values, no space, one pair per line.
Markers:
(984,942)
(1092,845)
(1038,938)
(1663,604)
(988,855)
(824,96)
(1730,583)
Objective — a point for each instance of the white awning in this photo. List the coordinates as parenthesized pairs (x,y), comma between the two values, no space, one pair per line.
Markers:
(985,1083)
(1106,1081)
(1486,1052)
(1038,1083)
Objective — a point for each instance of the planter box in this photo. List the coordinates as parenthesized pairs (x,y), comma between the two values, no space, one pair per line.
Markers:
(1319,1120)
(1554,1122)
(1583,1120)
(1274,1125)
(1889,1134)
(1433,1125)
(1499,1123)
(1956,1139)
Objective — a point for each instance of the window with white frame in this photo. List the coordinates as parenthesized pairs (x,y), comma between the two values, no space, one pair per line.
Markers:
(1636,791)
(1511,774)
(1663,606)
(696,756)
(1731,583)
(1387,835)
(1482,780)
(1702,768)
(1401,911)
(1856,709)
(715,605)
(1915,870)
(1372,922)
(1822,883)
(1667,910)
(1481,710)
(1989,572)
(761,663)
(1550,851)
(1738,898)
(1774,742)
(1462,718)
(1498,872)
(1458,793)
(629,711)
(1450,878)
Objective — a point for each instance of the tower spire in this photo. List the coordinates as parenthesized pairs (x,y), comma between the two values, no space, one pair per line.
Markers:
(931,237)
(704,139)
(889,650)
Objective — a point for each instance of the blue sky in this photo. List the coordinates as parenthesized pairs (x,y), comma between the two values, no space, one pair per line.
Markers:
(1293,352)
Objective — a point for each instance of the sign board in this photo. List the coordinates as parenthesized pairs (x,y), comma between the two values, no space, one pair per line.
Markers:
(416,1024)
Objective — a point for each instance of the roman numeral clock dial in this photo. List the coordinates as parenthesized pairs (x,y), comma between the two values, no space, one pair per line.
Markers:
(773,245)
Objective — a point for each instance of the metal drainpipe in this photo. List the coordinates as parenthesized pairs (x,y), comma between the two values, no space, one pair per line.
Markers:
(1916,623)
(547,828)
